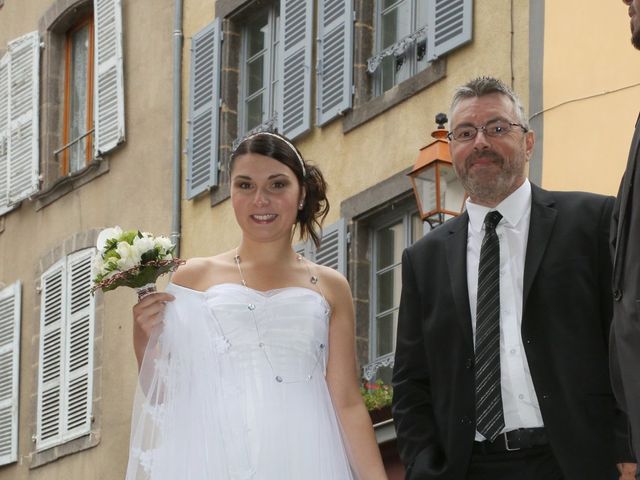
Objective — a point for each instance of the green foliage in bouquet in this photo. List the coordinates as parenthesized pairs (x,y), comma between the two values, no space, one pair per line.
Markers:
(376,395)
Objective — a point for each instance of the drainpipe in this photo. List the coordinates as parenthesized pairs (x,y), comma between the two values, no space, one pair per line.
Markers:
(176,224)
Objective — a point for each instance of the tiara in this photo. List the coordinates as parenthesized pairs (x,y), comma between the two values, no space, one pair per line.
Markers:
(287,142)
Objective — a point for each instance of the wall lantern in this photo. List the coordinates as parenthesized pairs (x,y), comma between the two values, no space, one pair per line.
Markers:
(439,193)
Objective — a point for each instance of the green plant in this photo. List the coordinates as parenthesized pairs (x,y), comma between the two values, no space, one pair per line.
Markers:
(376,395)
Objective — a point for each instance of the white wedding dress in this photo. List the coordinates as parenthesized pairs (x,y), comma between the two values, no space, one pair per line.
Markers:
(232,388)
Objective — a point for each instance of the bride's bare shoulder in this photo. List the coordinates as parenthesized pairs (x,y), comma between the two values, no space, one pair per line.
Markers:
(200,272)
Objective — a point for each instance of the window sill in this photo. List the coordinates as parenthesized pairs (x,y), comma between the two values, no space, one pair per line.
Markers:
(38,459)
(396,95)
(69,183)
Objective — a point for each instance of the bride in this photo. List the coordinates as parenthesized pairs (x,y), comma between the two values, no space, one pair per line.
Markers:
(247,360)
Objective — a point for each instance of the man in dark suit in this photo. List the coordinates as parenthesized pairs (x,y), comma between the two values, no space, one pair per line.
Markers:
(501,367)
(625,242)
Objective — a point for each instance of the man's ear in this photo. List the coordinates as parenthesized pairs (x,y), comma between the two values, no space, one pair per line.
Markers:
(530,140)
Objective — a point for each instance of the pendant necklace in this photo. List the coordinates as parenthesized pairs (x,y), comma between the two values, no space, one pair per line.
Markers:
(313,279)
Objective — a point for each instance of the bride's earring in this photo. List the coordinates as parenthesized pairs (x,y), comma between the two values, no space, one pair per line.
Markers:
(301,205)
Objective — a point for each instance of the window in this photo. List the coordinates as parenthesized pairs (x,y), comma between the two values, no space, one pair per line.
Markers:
(9,372)
(78,97)
(265,82)
(65,373)
(259,67)
(396,21)
(390,235)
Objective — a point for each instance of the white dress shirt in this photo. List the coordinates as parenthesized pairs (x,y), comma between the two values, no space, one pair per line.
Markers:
(519,400)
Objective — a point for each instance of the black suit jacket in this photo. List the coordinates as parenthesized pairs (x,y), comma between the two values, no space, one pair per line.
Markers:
(565,326)
(625,329)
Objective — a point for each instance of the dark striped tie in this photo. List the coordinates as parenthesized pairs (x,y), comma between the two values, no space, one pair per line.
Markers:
(489,414)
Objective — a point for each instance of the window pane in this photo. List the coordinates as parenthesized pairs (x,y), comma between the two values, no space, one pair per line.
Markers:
(255,75)
(389,243)
(254,112)
(386,333)
(421,14)
(395,24)
(257,31)
(388,287)
(78,97)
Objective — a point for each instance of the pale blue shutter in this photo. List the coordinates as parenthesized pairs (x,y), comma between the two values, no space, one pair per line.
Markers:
(51,358)
(9,372)
(78,376)
(24,81)
(306,249)
(109,81)
(202,163)
(450,25)
(296,37)
(335,58)
(333,249)
(4,134)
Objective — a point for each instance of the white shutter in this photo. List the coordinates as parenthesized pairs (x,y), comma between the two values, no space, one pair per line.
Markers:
(78,375)
(202,163)
(335,54)
(306,249)
(451,25)
(4,133)
(9,372)
(296,20)
(333,249)
(51,358)
(108,70)
(24,78)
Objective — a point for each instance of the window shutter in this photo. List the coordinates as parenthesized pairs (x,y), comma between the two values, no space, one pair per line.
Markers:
(335,64)
(24,78)
(451,25)
(306,249)
(9,372)
(202,164)
(108,71)
(4,133)
(78,375)
(333,249)
(52,308)
(296,19)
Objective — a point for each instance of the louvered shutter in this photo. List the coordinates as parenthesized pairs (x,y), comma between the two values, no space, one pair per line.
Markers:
(306,249)
(333,249)
(4,133)
(335,53)
(9,372)
(451,25)
(109,82)
(51,359)
(24,67)
(79,346)
(295,69)
(202,165)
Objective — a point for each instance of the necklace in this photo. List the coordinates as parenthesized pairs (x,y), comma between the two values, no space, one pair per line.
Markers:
(320,348)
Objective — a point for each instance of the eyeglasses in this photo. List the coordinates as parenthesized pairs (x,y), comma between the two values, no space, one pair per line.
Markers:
(495,128)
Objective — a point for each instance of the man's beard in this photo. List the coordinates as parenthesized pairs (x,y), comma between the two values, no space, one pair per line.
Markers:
(496,189)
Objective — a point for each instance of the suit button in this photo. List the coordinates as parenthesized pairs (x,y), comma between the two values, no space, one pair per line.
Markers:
(617,295)
(465,421)
(469,363)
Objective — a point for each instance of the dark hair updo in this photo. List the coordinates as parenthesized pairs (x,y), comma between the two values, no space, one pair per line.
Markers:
(278,147)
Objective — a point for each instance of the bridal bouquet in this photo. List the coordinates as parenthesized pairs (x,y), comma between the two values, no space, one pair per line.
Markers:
(132,259)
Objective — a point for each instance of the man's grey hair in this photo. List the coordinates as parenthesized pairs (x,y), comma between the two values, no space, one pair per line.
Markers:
(481,86)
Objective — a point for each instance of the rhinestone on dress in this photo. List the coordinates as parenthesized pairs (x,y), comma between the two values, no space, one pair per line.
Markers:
(279,379)
(314,279)
(251,306)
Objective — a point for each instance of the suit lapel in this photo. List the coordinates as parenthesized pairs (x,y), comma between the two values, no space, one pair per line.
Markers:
(457,262)
(625,190)
(543,217)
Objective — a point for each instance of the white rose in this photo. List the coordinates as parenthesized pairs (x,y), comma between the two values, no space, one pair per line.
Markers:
(164,243)
(129,256)
(143,245)
(107,234)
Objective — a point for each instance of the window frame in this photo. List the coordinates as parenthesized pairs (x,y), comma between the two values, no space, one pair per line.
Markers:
(87,136)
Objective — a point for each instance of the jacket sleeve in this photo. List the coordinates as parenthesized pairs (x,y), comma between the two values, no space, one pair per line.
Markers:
(417,435)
